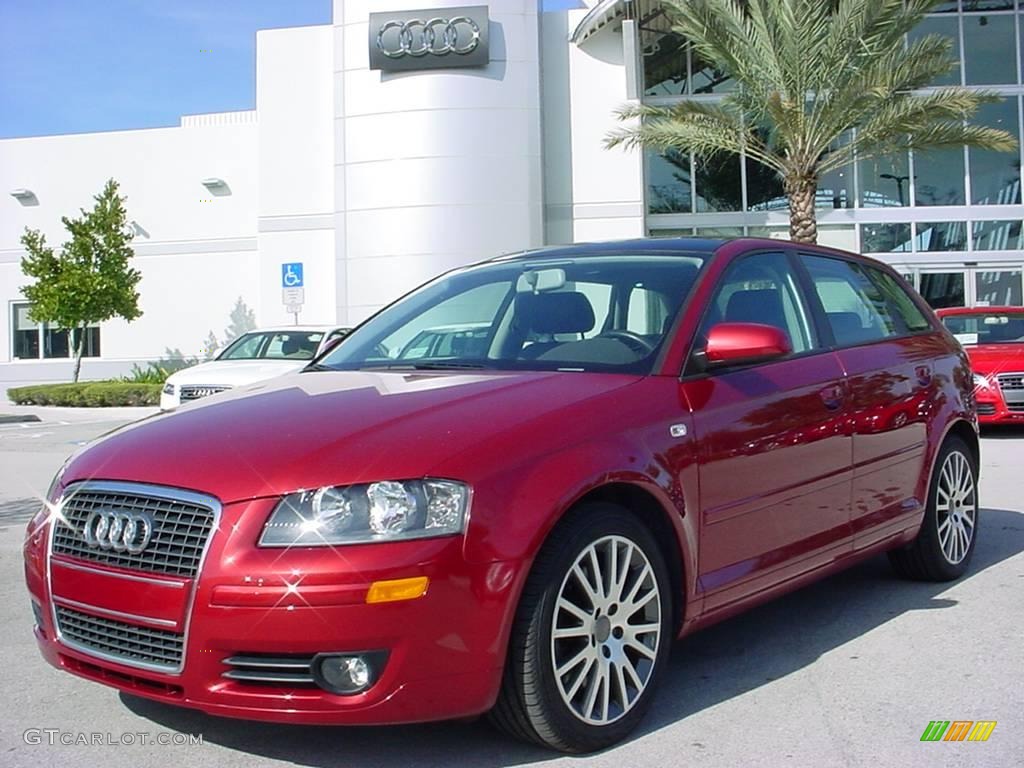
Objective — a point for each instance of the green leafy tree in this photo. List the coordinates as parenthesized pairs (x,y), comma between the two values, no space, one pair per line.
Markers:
(210,346)
(243,320)
(90,280)
(809,73)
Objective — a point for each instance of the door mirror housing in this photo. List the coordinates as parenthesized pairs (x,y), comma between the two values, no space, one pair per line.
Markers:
(745,344)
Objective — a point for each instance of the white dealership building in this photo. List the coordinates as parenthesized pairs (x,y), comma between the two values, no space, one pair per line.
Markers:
(398,142)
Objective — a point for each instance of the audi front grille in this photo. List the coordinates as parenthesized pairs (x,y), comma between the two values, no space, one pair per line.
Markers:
(1011,380)
(1012,387)
(189,393)
(127,643)
(182,523)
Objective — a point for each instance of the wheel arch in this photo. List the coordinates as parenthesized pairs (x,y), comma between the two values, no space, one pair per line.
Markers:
(957,427)
(643,504)
(966,432)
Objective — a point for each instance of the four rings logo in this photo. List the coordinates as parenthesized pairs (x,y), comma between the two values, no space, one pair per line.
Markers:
(120,531)
(418,37)
(445,38)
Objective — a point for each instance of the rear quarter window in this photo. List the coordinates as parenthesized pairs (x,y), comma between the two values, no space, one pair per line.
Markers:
(906,309)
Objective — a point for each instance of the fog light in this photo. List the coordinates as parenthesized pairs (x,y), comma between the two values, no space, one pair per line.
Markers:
(37,612)
(349,673)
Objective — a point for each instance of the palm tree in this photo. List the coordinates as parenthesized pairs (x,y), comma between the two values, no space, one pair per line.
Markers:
(819,84)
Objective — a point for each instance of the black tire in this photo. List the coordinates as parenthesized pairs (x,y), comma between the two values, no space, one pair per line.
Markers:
(927,557)
(532,703)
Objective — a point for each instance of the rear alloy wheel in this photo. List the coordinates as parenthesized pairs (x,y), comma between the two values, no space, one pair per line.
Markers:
(592,634)
(945,543)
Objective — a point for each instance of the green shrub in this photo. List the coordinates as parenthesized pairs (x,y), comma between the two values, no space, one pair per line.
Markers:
(88,394)
(153,373)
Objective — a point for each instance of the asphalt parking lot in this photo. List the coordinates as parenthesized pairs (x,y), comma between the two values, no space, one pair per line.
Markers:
(847,672)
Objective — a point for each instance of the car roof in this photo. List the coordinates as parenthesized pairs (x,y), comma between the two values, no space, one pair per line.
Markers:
(639,246)
(681,246)
(455,328)
(946,311)
(305,328)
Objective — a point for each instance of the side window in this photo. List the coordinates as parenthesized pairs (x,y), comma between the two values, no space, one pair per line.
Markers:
(856,310)
(911,315)
(763,289)
(646,312)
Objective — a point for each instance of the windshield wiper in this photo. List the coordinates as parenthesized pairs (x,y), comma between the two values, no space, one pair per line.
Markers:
(424,366)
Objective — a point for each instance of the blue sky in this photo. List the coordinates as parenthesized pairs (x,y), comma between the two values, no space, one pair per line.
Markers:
(68,66)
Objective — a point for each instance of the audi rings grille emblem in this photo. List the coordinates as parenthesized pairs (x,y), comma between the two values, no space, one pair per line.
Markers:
(120,531)
(437,36)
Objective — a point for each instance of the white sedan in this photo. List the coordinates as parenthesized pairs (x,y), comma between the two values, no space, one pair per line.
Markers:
(252,357)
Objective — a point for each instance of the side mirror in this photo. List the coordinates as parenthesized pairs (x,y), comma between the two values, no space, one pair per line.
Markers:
(744,344)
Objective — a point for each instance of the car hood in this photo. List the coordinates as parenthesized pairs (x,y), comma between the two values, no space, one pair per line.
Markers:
(332,428)
(234,373)
(996,358)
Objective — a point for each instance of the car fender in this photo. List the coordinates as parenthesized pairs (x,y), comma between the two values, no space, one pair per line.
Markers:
(515,509)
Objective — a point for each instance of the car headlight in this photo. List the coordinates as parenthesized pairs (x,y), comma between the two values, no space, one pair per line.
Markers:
(981,382)
(168,388)
(356,514)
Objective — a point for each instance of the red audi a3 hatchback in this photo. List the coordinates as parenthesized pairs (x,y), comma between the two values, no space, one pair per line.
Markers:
(648,437)
(994,340)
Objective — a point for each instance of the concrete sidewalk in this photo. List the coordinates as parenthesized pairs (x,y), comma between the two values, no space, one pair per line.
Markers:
(25,413)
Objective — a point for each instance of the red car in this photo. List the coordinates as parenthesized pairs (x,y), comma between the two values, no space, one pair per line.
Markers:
(994,340)
(650,437)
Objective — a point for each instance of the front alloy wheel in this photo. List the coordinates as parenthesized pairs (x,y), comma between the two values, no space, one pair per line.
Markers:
(607,629)
(591,634)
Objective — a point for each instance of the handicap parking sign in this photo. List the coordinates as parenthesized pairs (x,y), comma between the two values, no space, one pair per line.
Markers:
(291,275)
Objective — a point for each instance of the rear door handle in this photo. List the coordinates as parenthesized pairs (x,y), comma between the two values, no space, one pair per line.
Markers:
(832,397)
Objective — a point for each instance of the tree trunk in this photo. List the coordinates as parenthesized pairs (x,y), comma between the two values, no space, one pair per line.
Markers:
(78,348)
(801,192)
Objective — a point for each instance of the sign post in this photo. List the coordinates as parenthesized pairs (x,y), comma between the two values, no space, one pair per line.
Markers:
(293,292)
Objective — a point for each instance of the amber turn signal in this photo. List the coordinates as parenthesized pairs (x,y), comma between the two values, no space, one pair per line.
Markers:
(397,589)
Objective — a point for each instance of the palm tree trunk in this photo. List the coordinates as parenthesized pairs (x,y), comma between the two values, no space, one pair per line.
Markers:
(801,192)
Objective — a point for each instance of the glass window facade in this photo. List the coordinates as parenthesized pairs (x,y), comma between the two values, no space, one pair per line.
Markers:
(949,28)
(952,203)
(885,238)
(998,288)
(941,236)
(997,235)
(34,341)
(987,39)
(995,176)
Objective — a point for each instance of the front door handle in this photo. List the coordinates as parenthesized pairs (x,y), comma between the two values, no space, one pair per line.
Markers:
(832,397)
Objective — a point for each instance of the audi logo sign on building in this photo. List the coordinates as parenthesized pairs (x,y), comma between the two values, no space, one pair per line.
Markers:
(440,38)
(128,532)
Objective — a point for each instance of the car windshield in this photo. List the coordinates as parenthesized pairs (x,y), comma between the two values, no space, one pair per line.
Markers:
(588,313)
(987,328)
(274,345)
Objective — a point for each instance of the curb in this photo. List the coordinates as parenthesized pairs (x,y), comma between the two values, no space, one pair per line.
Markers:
(6,418)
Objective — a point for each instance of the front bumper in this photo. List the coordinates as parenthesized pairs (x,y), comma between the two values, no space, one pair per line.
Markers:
(993,409)
(445,650)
